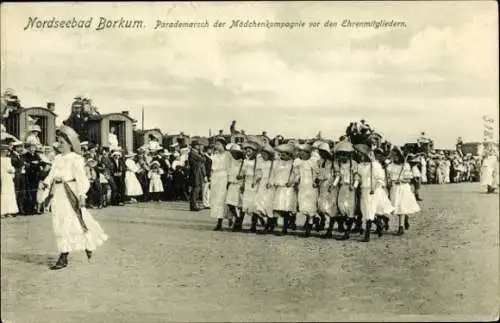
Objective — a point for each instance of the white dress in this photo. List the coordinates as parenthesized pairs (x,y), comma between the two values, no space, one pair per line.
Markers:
(112,141)
(248,199)
(234,196)
(285,198)
(155,183)
(8,201)
(265,194)
(307,172)
(132,185)
(70,235)
(371,203)
(489,171)
(218,184)
(402,197)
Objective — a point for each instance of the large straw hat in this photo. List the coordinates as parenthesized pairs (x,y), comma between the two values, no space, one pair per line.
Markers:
(116,152)
(268,149)
(251,144)
(304,147)
(130,155)
(220,139)
(344,146)
(155,163)
(362,148)
(35,127)
(71,136)
(324,146)
(236,150)
(286,148)
(398,150)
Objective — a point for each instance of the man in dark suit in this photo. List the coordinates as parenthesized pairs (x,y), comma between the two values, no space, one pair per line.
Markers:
(17,161)
(118,174)
(208,170)
(33,171)
(197,174)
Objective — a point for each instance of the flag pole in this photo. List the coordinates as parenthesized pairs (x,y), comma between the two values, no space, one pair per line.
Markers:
(143,119)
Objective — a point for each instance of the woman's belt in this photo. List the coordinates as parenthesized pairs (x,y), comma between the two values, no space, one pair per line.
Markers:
(59,181)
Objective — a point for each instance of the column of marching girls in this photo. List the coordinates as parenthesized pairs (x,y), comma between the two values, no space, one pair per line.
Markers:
(351,188)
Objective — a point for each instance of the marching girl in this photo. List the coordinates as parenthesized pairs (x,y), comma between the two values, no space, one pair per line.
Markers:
(370,178)
(285,200)
(155,183)
(133,188)
(74,227)
(307,173)
(326,195)
(265,191)
(235,185)
(221,161)
(345,194)
(384,207)
(489,171)
(402,197)
(8,205)
(249,183)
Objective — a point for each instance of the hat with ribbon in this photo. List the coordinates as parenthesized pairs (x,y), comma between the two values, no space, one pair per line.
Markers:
(286,148)
(70,136)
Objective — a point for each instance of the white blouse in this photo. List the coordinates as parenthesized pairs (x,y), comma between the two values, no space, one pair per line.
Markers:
(67,168)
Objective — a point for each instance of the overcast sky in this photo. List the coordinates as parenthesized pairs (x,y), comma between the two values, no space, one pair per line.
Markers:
(439,75)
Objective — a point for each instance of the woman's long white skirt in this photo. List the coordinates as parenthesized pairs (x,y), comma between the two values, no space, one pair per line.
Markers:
(403,199)
(264,199)
(285,199)
(132,185)
(218,190)
(233,196)
(67,229)
(8,201)
(384,206)
(368,203)
(327,200)
(346,201)
(248,199)
(307,199)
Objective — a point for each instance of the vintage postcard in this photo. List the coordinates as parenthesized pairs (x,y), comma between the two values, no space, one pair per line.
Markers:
(249,161)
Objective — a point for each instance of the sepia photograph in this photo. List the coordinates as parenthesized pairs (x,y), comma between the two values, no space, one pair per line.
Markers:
(249,161)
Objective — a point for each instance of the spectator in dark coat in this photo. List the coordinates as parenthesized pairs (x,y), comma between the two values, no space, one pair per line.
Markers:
(197,174)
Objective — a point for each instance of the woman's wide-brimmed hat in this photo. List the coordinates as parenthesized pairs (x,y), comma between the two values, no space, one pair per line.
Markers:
(398,150)
(155,163)
(317,144)
(236,150)
(116,152)
(71,136)
(251,144)
(220,139)
(286,148)
(344,147)
(35,128)
(304,147)
(268,149)
(363,149)
(130,155)
(325,147)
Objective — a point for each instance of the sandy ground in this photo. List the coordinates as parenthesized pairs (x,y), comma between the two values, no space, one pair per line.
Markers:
(163,263)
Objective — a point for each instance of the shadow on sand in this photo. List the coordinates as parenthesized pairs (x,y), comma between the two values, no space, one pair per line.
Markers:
(36,259)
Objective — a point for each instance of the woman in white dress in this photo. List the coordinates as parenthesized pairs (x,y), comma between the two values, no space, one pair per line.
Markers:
(218,181)
(133,188)
(371,178)
(155,183)
(265,191)
(249,173)
(8,205)
(489,171)
(403,199)
(307,173)
(285,199)
(235,185)
(74,227)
